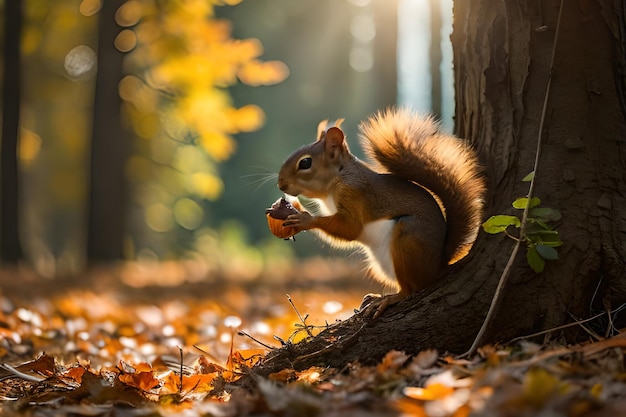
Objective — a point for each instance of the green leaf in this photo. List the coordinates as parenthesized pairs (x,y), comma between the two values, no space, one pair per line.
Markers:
(499,223)
(546,252)
(535,261)
(522,202)
(552,240)
(529,177)
(546,214)
(539,226)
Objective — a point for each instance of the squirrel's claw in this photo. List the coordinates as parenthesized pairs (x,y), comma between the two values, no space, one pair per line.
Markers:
(300,220)
(373,305)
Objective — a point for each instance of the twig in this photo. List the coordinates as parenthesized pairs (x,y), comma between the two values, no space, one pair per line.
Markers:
(588,331)
(338,345)
(303,320)
(495,302)
(19,374)
(242,333)
(564,326)
(180,387)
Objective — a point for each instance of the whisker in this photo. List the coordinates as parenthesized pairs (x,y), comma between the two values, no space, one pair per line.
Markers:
(261,181)
(262,168)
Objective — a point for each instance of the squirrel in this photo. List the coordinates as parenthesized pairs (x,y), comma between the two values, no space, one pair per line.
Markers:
(416,208)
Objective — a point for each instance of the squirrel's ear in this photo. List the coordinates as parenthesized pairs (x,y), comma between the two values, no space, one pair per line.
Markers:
(321,129)
(334,142)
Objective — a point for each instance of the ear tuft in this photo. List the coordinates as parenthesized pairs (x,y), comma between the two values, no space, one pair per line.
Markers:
(321,129)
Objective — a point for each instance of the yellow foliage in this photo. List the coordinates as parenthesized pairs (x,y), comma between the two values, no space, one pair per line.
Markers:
(159,218)
(29,146)
(181,60)
(89,7)
(126,40)
(218,145)
(206,185)
(261,73)
(188,214)
(31,39)
(248,118)
(129,13)
(186,57)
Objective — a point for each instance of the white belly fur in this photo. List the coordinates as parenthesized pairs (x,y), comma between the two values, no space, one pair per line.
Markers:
(376,238)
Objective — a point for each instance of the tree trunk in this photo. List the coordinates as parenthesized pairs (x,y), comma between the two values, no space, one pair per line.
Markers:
(10,247)
(109,148)
(502,62)
(502,57)
(385,15)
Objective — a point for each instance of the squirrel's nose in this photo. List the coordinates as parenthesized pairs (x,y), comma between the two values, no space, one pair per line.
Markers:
(282,185)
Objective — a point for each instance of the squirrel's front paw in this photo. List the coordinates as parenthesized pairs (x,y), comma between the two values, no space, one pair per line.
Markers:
(300,221)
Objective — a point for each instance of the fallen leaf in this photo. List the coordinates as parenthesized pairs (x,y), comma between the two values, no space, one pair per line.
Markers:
(145,381)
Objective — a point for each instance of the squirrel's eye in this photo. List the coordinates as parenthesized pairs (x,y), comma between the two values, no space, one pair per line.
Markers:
(305,163)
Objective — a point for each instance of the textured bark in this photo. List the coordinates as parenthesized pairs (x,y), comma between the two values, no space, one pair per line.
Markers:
(502,62)
(501,80)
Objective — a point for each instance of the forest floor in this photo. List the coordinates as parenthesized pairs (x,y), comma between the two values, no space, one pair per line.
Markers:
(124,342)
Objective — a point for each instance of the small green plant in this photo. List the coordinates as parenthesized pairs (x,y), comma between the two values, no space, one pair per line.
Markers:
(540,237)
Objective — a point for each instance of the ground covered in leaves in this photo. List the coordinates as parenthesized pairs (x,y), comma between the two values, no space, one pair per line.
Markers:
(98,346)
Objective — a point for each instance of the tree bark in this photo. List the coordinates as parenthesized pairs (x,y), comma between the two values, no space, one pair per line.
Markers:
(502,53)
(10,247)
(109,148)
(501,79)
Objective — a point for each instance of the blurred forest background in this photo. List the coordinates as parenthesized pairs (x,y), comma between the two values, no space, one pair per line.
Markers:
(147,128)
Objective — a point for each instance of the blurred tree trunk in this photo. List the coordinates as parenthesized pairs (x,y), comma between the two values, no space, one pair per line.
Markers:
(109,148)
(502,61)
(385,52)
(10,248)
(436,57)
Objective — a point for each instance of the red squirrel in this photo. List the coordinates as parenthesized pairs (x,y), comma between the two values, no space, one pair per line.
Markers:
(415,209)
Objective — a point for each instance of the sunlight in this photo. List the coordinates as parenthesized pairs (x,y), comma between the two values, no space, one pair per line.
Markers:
(363,31)
(415,69)
(80,61)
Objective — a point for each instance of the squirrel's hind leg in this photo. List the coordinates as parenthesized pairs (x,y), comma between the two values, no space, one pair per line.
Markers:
(416,251)
(373,305)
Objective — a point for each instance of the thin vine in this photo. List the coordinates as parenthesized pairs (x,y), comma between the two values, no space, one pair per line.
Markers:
(495,302)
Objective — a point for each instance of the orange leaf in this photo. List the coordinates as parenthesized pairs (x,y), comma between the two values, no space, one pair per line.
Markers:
(409,407)
(207,367)
(247,357)
(170,384)
(145,381)
(43,365)
(229,376)
(75,373)
(434,391)
(198,383)
(392,360)
(284,375)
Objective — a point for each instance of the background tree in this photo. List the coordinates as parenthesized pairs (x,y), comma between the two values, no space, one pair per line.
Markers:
(110,147)
(10,247)
(502,63)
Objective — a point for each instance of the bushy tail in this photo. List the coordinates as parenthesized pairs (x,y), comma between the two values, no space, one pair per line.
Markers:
(410,146)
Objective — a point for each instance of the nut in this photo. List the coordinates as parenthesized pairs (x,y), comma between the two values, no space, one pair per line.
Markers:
(280,210)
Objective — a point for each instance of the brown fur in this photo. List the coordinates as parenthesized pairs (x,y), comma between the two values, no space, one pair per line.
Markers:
(394,209)
(411,147)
